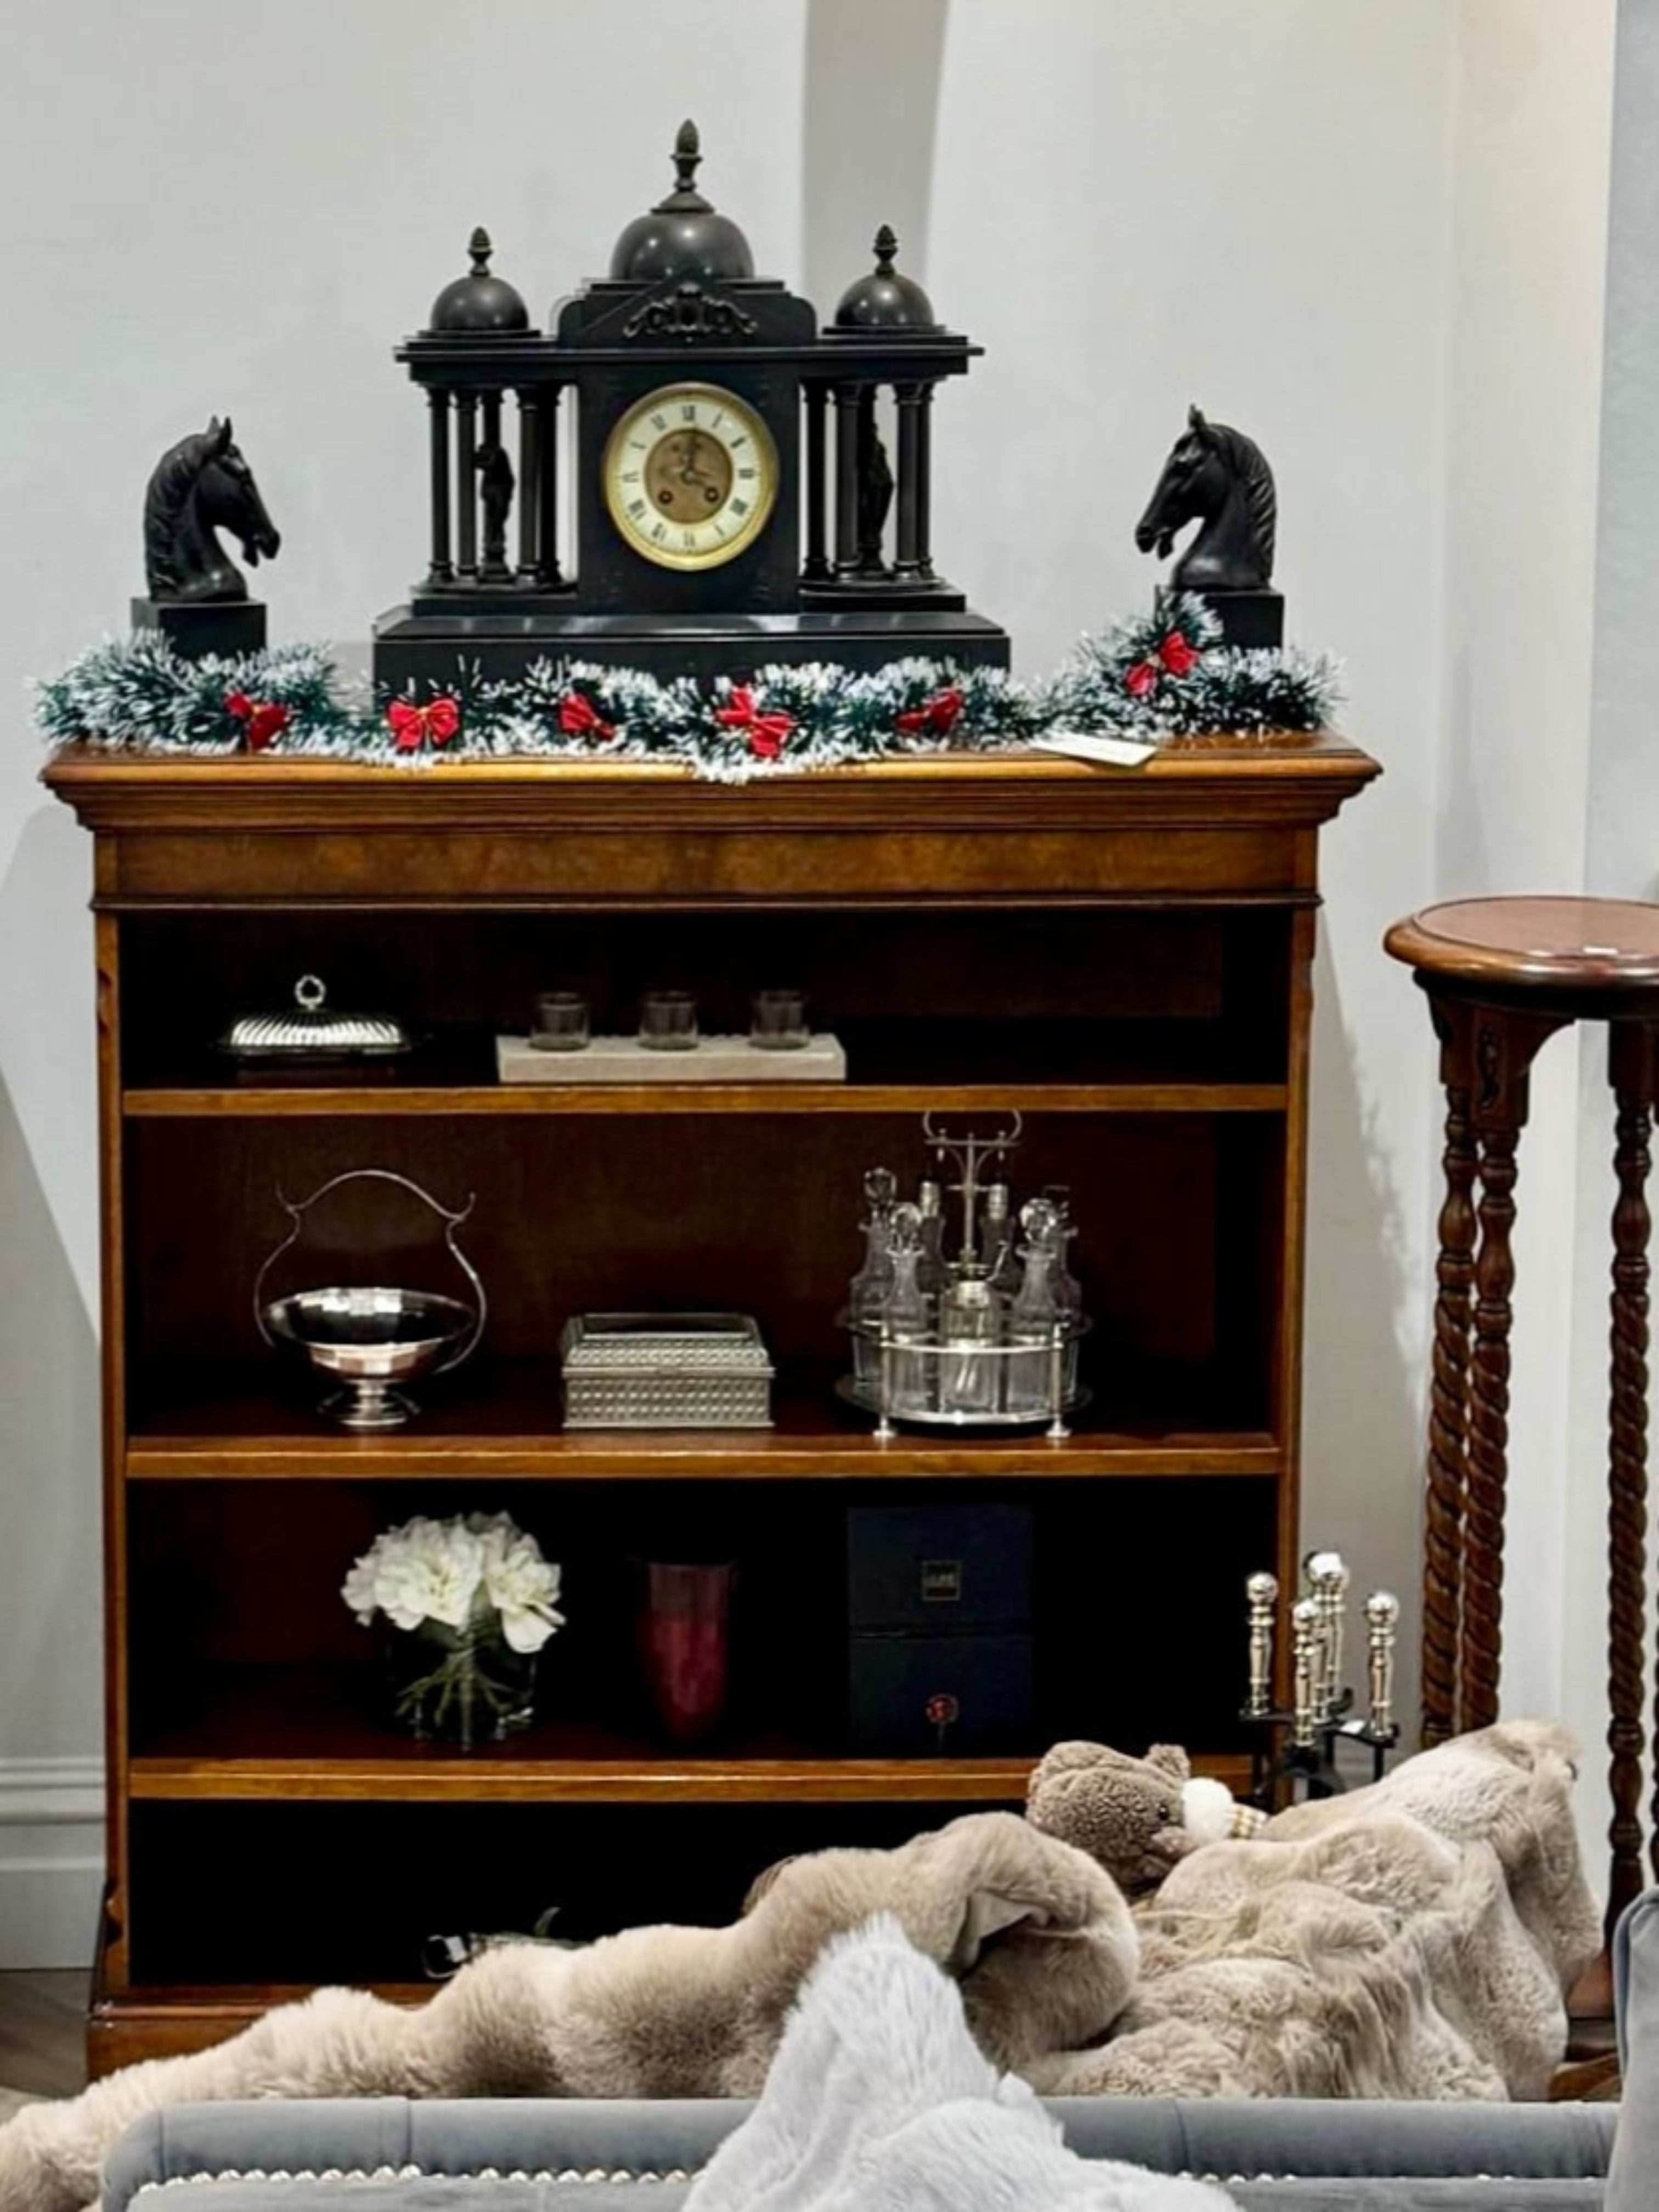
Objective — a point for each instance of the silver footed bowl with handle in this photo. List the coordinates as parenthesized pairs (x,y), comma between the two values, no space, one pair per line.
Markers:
(371,1340)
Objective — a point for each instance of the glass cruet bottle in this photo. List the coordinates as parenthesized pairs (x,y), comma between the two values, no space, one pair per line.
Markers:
(874,1278)
(931,1272)
(867,1293)
(905,1314)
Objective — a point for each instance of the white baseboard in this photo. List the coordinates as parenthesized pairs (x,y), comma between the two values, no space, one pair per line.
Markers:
(52,1860)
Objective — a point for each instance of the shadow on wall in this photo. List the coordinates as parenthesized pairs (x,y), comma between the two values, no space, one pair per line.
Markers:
(872,88)
(1363,1384)
(51,1577)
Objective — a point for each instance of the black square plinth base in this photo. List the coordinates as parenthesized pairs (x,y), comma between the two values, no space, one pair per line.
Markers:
(429,648)
(1247,619)
(194,630)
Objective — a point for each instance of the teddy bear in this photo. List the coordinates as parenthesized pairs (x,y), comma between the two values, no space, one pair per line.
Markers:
(1135,1817)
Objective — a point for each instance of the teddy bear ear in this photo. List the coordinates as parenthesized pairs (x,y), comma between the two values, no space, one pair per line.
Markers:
(1066,1759)
(1170,1759)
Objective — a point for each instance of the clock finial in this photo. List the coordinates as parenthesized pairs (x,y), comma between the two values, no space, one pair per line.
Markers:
(688,152)
(886,300)
(685,198)
(698,243)
(478,303)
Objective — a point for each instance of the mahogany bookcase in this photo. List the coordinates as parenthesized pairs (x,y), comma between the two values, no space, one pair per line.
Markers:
(1124,957)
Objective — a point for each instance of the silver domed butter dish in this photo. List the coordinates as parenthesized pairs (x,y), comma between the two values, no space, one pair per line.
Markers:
(311,1030)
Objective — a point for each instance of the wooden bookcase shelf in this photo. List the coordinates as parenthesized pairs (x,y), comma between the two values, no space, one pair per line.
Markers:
(1123,958)
(322,1102)
(510,1428)
(638,1780)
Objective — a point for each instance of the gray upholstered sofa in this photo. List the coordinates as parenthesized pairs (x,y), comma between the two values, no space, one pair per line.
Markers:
(532,2156)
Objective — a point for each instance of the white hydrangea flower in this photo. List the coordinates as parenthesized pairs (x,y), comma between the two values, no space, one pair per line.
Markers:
(444,1570)
(521,1584)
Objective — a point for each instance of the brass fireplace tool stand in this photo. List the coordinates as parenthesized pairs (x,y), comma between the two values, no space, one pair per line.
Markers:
(1294,1746)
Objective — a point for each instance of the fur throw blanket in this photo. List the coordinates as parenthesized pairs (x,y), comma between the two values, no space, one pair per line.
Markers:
(1038,1937)
(1412,1939)
(879,2101)
(1415,1939)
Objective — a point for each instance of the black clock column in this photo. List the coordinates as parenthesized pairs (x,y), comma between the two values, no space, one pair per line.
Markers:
(846,477)
(466,476)
(913,532)
(530,487)
(815,568)
(549,575)
(442,570)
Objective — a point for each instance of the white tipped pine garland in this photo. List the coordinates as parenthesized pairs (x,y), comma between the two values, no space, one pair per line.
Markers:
(1163,676)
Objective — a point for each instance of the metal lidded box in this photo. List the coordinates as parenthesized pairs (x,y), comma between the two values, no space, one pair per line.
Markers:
(691,1371)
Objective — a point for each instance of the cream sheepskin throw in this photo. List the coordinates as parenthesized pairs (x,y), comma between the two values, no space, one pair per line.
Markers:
(1038,1937)
(1412,1939)
(879,2101)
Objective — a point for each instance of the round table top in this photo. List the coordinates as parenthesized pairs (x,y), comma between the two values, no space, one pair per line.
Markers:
(1562,943)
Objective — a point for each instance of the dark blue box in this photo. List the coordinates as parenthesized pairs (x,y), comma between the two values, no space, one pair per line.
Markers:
(939,1569)
(925,1697)
(938,1603)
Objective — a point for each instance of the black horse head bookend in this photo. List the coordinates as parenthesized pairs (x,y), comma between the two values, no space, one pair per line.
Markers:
(1219,478)
(197,595)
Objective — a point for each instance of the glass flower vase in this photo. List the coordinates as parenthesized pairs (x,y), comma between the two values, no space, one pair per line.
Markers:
(462,1685)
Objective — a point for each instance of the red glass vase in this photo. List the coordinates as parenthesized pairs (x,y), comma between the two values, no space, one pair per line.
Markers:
(684,1644)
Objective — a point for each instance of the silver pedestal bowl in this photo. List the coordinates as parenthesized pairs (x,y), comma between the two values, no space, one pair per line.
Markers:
(372,1339)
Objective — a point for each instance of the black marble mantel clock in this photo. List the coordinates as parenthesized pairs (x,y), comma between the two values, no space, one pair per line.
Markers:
(715,521)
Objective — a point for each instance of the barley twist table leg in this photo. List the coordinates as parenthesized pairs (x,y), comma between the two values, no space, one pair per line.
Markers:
(1481,1643)
(1448,1428)
(1631,1071)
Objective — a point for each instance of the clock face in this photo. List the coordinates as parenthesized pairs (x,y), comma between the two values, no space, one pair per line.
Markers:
(691,475)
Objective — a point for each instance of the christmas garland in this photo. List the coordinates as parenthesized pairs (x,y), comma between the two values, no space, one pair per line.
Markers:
(1160,677)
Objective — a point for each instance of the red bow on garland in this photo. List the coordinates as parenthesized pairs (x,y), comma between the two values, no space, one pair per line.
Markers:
(935,717)
(766,731)
(265,719)
(412,727)
(580,717)
(1176,656)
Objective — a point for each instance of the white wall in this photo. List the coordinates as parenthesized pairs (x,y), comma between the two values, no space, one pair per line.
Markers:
(1621,850)
(1367,231)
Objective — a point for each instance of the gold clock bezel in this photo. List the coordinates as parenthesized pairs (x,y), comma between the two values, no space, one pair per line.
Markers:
(766,445)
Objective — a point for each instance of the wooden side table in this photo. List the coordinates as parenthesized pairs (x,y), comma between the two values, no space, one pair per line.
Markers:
(1502,976)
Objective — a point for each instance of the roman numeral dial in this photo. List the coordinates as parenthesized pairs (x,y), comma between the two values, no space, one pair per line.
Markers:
(690,475)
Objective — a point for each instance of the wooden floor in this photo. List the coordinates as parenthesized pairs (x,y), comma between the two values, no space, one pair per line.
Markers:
(43,2032)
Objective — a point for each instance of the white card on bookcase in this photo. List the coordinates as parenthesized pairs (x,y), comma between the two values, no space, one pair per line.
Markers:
(1092,745)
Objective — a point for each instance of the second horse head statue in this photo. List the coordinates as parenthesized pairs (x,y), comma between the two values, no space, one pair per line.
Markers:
(1219,478)
(201,485)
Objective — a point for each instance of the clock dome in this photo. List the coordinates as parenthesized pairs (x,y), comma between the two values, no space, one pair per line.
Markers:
(885,299)
(683,235)
(478,304)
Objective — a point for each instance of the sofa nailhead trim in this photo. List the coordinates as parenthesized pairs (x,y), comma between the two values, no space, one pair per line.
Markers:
(305,2174)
